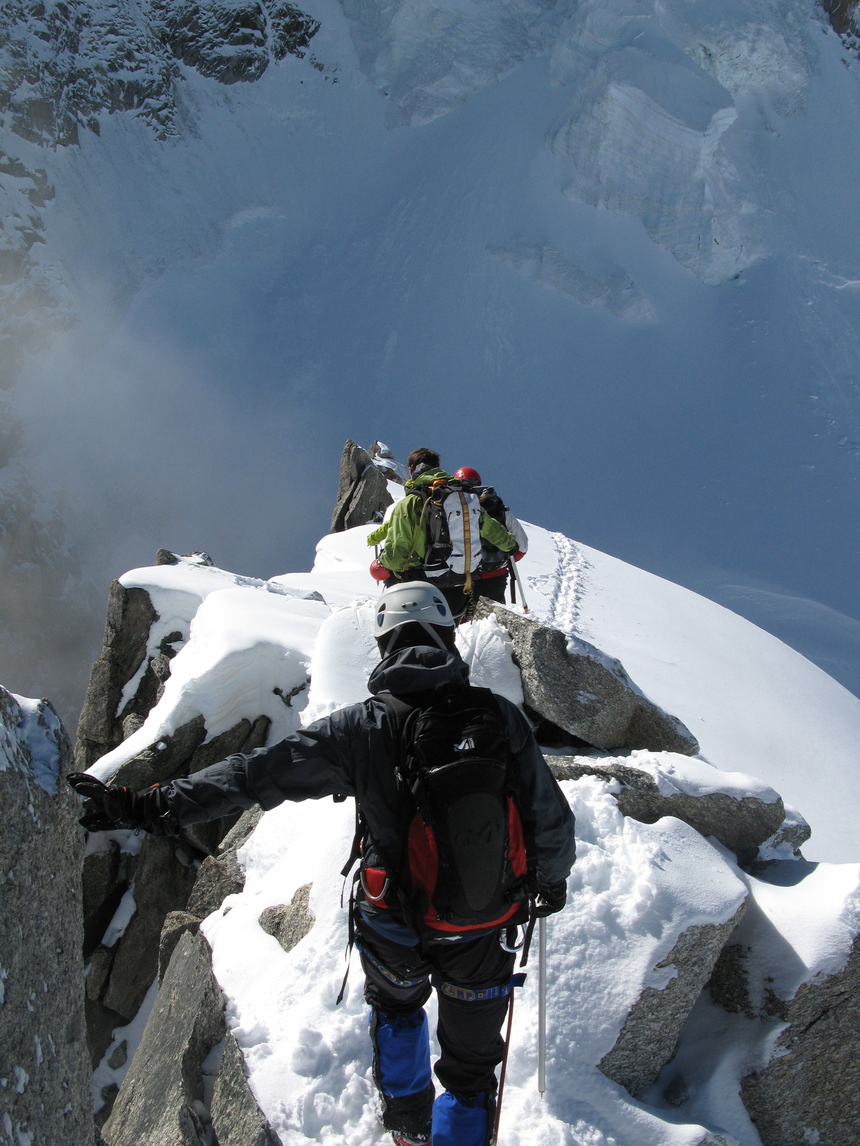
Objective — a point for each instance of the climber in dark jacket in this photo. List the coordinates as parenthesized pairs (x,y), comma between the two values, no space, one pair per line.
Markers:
(353,752)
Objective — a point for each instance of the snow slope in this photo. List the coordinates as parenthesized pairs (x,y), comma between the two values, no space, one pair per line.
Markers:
(606,251)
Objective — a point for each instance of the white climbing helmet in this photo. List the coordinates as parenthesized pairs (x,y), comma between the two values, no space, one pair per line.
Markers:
(411,601)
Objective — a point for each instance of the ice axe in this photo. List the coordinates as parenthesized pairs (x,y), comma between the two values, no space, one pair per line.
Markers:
(542,1007)
(516,573)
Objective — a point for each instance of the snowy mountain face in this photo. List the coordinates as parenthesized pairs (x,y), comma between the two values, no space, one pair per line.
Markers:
(606,252)
(62,68)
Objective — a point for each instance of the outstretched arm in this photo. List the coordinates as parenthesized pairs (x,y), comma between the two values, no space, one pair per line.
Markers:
(314,762)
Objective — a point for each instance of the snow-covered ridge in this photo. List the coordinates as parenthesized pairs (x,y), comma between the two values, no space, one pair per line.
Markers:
(654,907)
(756,707)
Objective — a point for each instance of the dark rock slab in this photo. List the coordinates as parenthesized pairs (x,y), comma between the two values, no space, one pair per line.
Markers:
(362,494)
(164,760)
(289,922)
(843,18)
(101,1024)
(185,751)
(218,877)
(106,877)
(741,825)
(215,881)
(232,42)
(223,875)
(649,1036)
(589,695)
(242,831)
(812,1083)
(161,1099)
(236,1118)
(130,616)
(176,923)
(47,1095)
(162,884)
(225,744)
(244,736)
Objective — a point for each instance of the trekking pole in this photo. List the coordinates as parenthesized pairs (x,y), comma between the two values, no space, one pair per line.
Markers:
(495,1135)
(542,1010)
(516,574)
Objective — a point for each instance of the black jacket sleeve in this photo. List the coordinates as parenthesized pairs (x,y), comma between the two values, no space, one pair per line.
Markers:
(315,761)
(553,822)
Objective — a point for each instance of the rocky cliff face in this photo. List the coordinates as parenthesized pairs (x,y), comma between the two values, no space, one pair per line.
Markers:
(843,17)
(46,1092)
(66,65)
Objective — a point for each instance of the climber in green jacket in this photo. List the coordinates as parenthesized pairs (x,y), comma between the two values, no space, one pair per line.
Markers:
(408,529)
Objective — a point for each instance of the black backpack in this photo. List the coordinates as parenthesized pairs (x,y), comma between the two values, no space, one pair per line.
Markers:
(451,518)
(490,502)
(464,863)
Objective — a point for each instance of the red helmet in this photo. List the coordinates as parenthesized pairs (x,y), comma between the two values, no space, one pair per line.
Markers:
(466,473)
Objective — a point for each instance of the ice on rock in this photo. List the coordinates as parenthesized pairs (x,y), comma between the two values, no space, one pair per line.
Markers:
(655,98)
(746,45)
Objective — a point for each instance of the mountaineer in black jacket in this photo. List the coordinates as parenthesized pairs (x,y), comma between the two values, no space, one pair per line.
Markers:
(404,949)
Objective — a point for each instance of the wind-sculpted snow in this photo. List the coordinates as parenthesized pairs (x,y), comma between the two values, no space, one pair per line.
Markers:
(247,655)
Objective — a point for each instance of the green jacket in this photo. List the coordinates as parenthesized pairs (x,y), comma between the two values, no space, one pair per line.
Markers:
(404,534)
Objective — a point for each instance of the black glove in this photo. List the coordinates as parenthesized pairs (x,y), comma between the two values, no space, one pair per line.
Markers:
(107,807)
(551,897)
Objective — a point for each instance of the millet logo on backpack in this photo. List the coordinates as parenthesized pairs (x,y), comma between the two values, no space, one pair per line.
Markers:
(467,745)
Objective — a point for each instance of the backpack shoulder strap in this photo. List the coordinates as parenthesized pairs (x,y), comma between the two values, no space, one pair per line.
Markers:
(400,710)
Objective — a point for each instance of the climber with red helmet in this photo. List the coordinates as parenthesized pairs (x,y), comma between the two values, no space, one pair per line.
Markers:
(492,577)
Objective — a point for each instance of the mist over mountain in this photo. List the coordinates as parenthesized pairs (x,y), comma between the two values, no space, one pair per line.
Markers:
(606,252)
